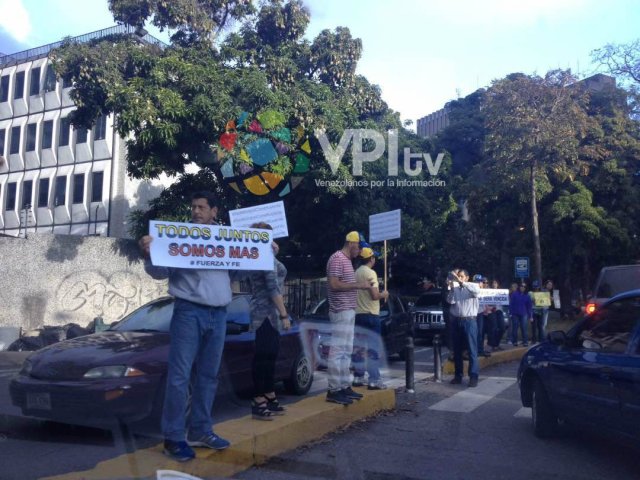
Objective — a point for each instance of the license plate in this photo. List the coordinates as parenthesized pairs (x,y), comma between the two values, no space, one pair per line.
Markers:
(424,326)
(39,401)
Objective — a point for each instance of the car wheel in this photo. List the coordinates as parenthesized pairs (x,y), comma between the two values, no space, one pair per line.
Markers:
(545,422)
(301,376)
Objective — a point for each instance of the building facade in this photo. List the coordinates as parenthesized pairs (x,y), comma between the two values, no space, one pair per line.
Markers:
(433,123)
(53,177)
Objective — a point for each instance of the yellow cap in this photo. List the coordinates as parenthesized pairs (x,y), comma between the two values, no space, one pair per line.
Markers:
(353,237)
(366,253)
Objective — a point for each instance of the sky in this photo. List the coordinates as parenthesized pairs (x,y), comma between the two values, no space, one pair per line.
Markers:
(422,53)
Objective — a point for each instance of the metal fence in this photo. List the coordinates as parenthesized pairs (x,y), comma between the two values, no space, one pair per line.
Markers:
(300,294)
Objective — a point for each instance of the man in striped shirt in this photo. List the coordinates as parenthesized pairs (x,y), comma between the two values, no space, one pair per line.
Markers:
(342,293)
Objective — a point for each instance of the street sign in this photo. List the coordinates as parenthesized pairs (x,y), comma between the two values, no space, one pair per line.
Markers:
(522,267)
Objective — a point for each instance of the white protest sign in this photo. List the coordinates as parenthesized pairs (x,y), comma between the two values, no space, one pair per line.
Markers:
(191,245)
(384,226)
(271,213)
(493,296)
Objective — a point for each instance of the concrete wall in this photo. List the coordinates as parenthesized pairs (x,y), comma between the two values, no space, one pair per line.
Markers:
(58,279)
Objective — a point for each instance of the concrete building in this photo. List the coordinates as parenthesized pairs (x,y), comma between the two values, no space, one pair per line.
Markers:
(433,123)
(55,178)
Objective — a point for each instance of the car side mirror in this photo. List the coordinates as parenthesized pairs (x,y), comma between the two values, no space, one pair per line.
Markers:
(557,337)
(411,304)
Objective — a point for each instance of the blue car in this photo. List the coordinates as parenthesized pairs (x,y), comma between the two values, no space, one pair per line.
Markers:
(589,376)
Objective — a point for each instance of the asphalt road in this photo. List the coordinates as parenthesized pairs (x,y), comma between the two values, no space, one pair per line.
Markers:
(38,448)
(447,432)
(439,432)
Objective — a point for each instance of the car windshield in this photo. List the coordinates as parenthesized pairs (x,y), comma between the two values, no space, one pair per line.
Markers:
(320,308)
(618,280)
(155,316)
(431,300)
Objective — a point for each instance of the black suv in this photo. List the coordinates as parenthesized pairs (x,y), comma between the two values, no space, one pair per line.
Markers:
(428,318)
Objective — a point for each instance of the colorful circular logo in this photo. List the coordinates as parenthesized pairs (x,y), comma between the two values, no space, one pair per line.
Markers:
(261,156)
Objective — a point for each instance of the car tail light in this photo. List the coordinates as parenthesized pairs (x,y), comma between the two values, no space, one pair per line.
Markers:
(590,308)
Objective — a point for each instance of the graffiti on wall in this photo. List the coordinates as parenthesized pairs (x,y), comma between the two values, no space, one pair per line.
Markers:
(90,294)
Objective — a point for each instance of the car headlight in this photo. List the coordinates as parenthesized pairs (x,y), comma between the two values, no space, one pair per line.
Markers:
(27,366)
(113,371)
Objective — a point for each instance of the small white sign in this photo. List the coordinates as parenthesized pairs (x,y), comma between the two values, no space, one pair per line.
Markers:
(271,213)
(384,226)
(205,247)
(493,296)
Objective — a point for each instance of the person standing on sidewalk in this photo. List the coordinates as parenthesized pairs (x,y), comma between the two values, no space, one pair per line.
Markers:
(368,317)
(197,334)
(482,318)
(268,318)
(520,309)
(342,296)
(463,297)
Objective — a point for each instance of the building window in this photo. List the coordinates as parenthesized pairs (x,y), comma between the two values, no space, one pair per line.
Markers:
(43,193)
(19,88)
(34,87)
(3,132)
(81,135)
(97,179)
(101,128)
(31,137)
(78,188)
(66,82)
(50,80)
(27,193)
(11,196)
(15,140)
(65,124)
(4,88)
(47,134)
(61,191)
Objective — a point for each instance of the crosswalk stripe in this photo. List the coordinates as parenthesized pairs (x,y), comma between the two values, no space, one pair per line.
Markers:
(469,399)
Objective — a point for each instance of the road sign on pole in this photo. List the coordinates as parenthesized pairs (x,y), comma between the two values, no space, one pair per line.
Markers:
(521,266)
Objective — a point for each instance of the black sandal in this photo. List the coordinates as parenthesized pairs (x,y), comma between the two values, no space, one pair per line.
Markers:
(260,411)
(274,405)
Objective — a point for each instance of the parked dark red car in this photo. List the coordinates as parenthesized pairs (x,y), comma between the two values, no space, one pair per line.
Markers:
(119,374)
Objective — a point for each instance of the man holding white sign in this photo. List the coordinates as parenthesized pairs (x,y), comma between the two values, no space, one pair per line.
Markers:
(197,335)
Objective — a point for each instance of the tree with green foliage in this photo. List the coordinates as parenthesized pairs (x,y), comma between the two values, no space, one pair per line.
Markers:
(173,105)
(535,126)
(623,61)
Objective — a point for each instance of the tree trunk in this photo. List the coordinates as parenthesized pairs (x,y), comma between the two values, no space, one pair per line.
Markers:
(537,274)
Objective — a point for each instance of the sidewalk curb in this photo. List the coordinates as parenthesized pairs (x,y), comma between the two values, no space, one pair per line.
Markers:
(253,442)
(503,356)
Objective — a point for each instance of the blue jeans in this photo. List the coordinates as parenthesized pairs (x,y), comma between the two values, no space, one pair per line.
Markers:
(465,335)
(197,340)
(519,321)
(368,346)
